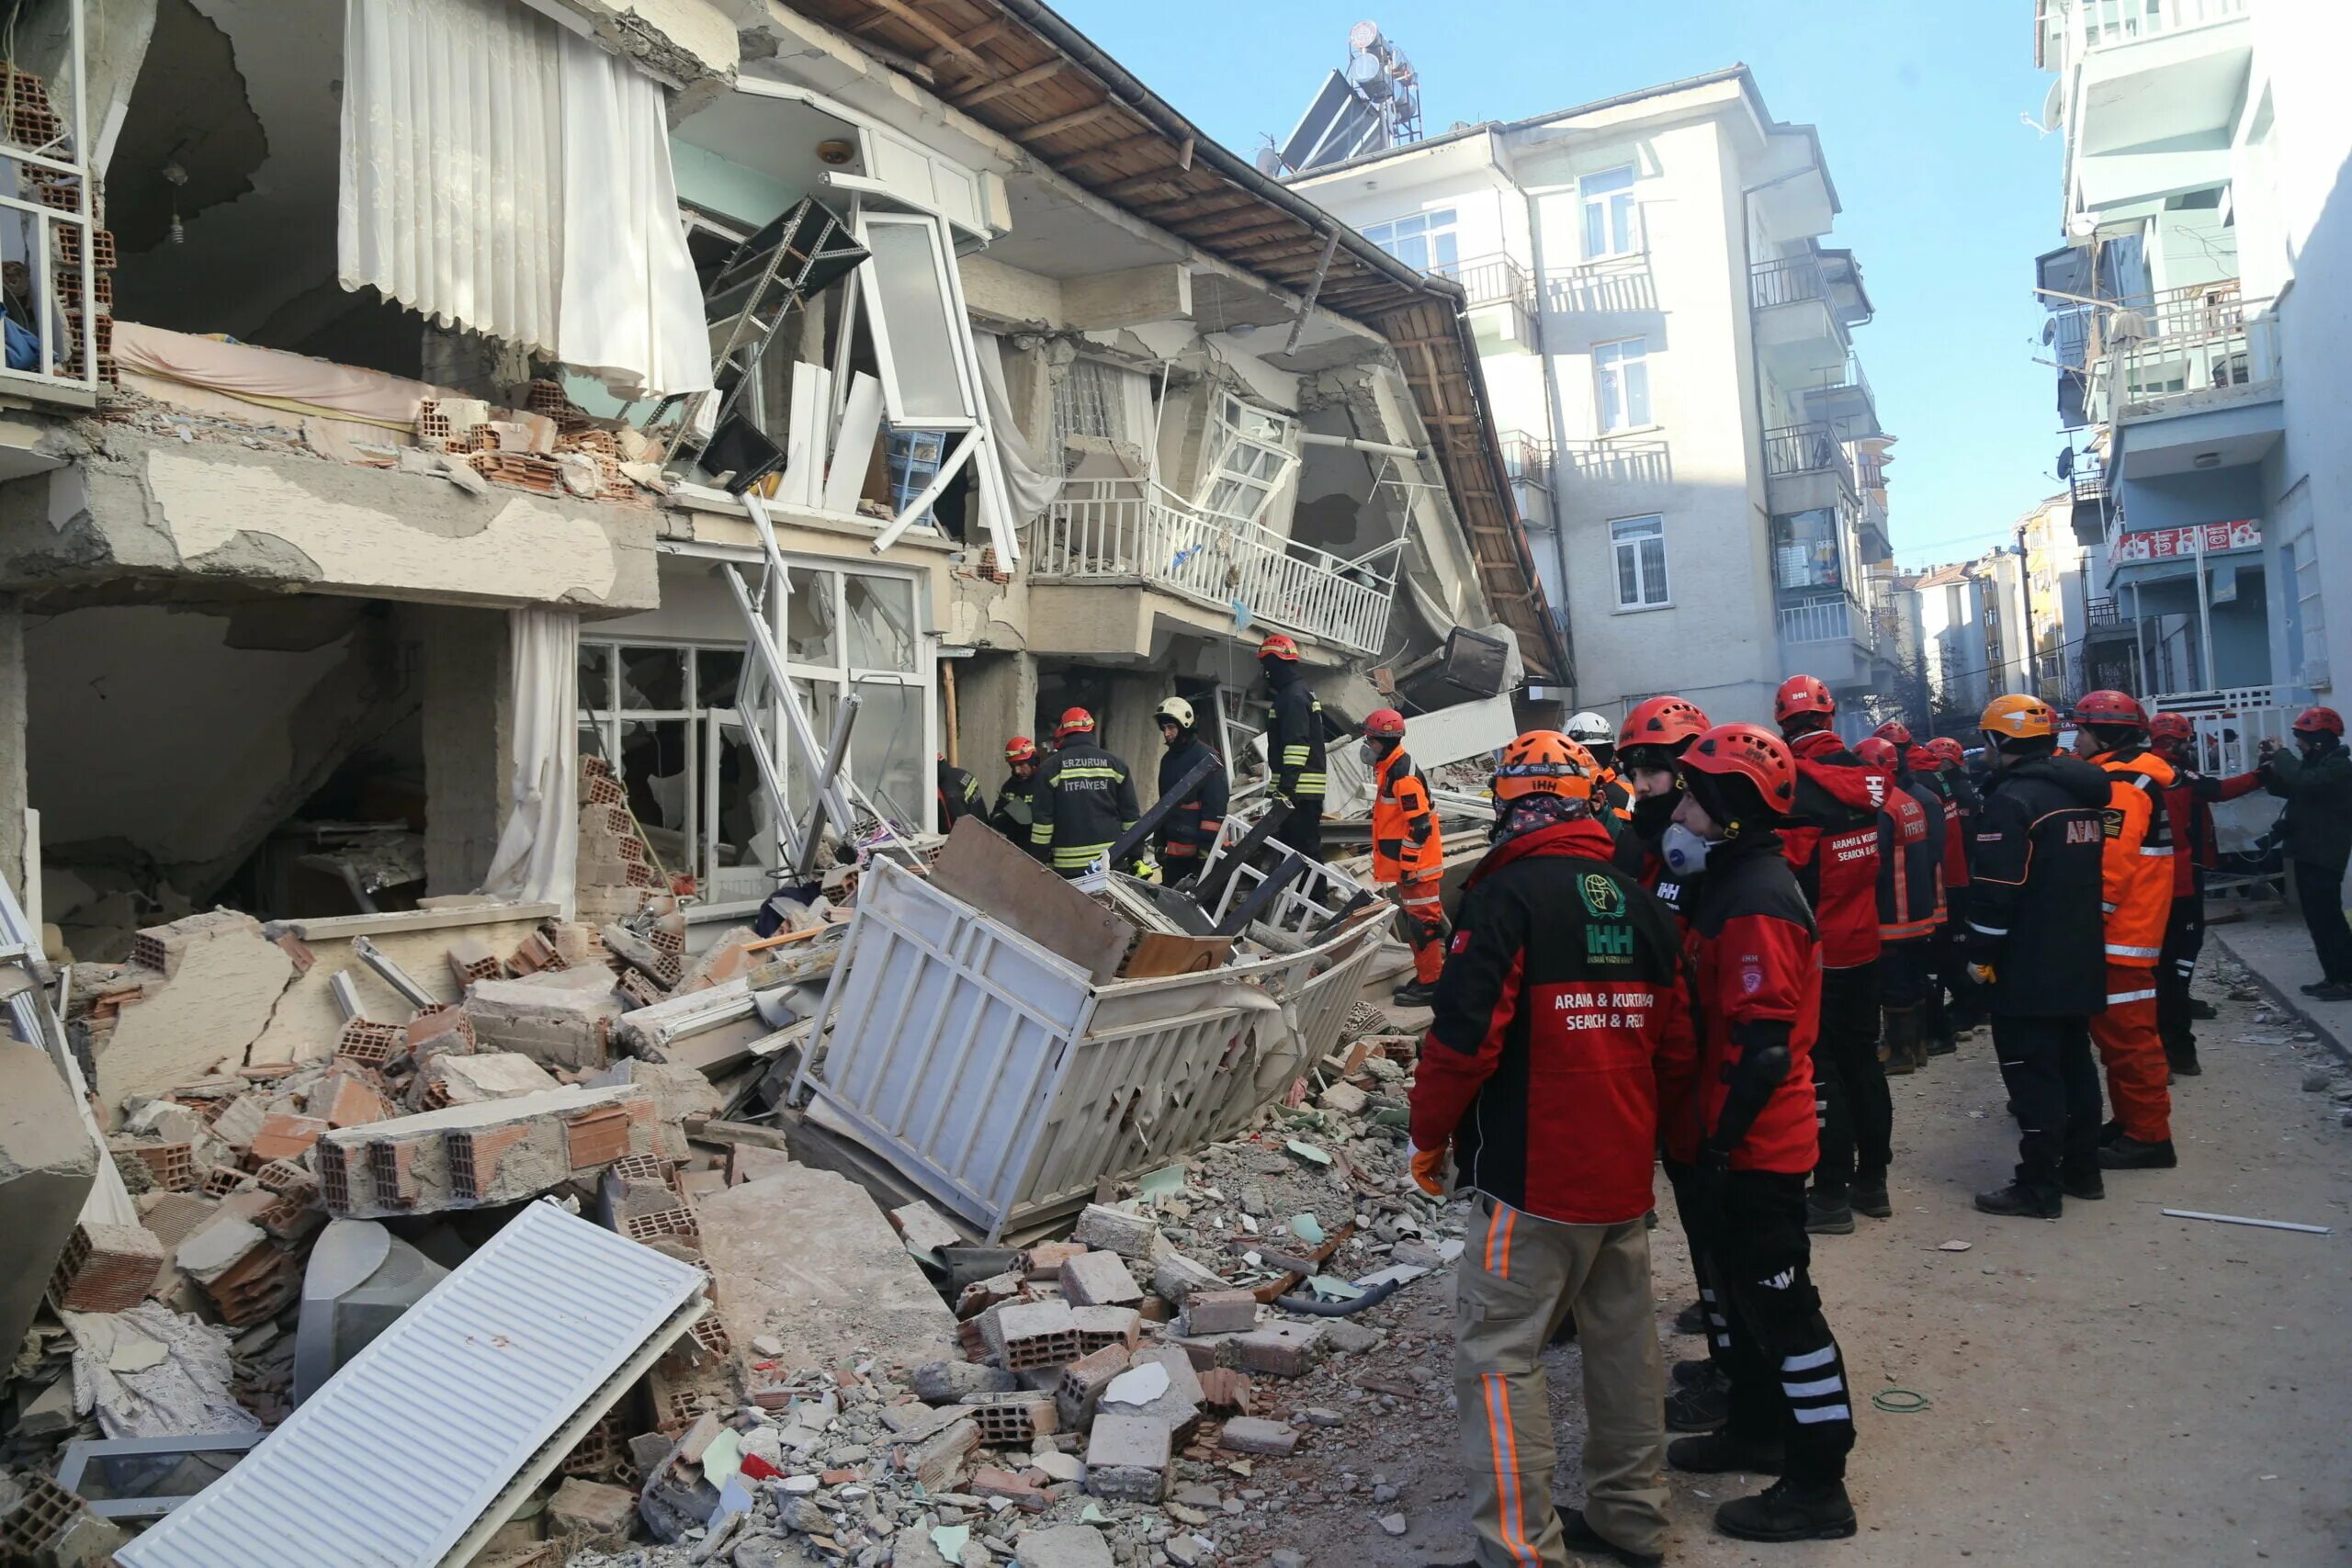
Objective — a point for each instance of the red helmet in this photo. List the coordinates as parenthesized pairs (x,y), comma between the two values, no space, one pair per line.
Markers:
(2319,721)
(1802,693)
(2169,726)
(1074,721)
(2118,710)
(1384,723)
(1878,753)
(1946,750)
(1020,748)
(1752,753)
(1278,646)
(1661,721)
(1894,731)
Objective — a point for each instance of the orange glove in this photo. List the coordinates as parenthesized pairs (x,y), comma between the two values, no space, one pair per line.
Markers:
(1428,1171)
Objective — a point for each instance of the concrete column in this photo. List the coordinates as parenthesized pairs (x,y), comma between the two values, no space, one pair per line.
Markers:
(467,670)
(1128,730)
(14,789)
(996,699)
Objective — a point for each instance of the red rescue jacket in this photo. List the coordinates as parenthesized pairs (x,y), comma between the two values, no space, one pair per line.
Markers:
(2188,805)
(1831,843)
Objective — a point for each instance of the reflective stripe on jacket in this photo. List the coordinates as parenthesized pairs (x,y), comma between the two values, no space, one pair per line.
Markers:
(2137,875)
(1085,800)
(1405,839)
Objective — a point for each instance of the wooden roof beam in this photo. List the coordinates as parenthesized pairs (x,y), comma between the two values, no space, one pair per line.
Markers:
(1018,81)
(1070,121)
(963,46)
(956,47)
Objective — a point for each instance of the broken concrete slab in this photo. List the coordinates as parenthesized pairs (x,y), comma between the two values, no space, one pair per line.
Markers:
(47,1167)
(1133,1236)
(805,1257)
(214,980)
(1175,1276)
(501,1151)
(596,1514)
(1255,1435)
(559,1018)
(947,1383)
(454,1079)
(1220,1312)
(1062,1546)
(680,1093)
(925,1230)
(1127,1458)
(1099,1279)
(307,1021)
(939,1459)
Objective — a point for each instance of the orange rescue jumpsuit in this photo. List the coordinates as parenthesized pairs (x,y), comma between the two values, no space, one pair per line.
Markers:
(2137,876)
(1407,850)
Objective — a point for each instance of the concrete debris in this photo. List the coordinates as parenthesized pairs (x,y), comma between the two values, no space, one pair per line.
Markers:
(451,1080)
(207,985)
(560,1017)
(502,1151)
(47,1167)
(150,1372)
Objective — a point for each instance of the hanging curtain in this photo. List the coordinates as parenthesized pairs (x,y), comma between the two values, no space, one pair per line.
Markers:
(1136,421)
(503,174)
(539,853)
(1028,487)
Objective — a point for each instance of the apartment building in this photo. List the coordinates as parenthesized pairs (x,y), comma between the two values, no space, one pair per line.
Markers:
(2197,310)
(346,502)
(1668,335)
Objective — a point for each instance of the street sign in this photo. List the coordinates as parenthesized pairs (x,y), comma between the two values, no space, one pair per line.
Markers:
(2168,544)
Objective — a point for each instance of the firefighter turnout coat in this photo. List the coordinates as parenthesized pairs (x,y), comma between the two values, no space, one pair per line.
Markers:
(1085,800)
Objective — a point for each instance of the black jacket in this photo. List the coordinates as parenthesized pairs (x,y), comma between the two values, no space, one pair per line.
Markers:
(2036,886)
(1637,853)
(1085,798)
(1296,746)
(2316,826)
(1014,809)
(1185,834)
(959,796)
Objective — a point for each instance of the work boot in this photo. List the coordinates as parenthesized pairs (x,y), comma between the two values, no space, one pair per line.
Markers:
(2128,1153)
(1691,1319)
(1413,994)
(2182,1060)
(1722,1453)
(2019,1202)
(2108,1131)
(1943,1045)
(1786,1511)
(2334,991)
(1870,1198)
(1578,1535)
(1701,1373)
(2086,1184)
(1828,1212)
(2314,988)
(2199,1008)
(1702,1407)
(1903,1052)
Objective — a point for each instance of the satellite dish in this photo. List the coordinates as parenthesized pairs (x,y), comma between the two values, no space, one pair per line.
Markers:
(1364,36)
(1269,160)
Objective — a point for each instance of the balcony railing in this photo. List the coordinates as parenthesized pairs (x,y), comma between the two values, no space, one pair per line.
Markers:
(1825,620)
(67,330)
(1810,448)
(1137,529)
(1789,281)
(2187,348)
(1526,458)
(2072,29)
(1491,280)
(2102,613)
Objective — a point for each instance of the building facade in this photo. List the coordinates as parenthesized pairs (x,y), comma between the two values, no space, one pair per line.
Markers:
(1668,335)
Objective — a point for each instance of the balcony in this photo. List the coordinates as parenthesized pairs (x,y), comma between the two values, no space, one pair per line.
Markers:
(2193,380)
(1502,300)
(1843,398)
(1528,461)
(1138,531)
(1832,639)
(1803,305)
(1806,468)
(2149,91)
(2093,497)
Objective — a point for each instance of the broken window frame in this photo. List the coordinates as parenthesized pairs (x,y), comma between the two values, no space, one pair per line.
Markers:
(1228,435)
(58,343)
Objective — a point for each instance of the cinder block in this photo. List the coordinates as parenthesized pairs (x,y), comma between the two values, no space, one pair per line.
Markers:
(173,1166)
(1100,1327)
(1005,1419)
(1177,1277)
(1083,1382)
(1045,1260)
(1280,1349)
(1099,1279)
(1252,1434)
(1115,1230)
(1034,1334)
(587,1508)
(501,1151)
(1127,1458)
(106,1269)
(1220,1312)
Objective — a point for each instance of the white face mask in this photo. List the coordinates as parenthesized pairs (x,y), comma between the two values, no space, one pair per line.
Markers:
(1370,751)
(1684,851)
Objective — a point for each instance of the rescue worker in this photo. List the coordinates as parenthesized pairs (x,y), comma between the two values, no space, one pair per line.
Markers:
(1407,850)
(1612,796)
(1941,765)
(1563,992)
(1742,1112)
(1295,743)
(2110,729)
(2316,784)
(2189,805)
(1012,815)
(1906,909)
(1830,837)
(1084,799)
(1186,834)
(1909,776)
(2034,944)
(959,796)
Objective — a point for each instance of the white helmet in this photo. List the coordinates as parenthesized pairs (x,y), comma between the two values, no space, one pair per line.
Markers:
(1176,711)
(1589,728)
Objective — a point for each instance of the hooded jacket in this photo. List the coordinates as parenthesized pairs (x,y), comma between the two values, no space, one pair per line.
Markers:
(1562,993)
(1831,839)
(2189,804)
(2035,888)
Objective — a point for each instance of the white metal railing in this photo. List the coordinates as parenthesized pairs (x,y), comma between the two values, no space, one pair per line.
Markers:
(1139,528)
(2072,29)
(2231,725)
(52,192)
(2180,349)
(1825,620)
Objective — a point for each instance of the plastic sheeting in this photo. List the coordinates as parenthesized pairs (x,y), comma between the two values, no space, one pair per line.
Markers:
(538,858)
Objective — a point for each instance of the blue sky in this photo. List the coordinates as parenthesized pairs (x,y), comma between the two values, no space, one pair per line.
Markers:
(1948,194)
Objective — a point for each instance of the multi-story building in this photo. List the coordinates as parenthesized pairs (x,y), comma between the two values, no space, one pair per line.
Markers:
(341,512)
(2198,308)
(1669,341)
(1950,609)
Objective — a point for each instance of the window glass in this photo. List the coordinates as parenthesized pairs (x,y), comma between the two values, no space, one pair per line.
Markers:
(881,622)
(1640,547)
(809,618)
(1251,450)
(1423,239)
(653,678)
(717,672)
(885,754)
(923,360)
(1608,213)
(1622,384)
(1807,550)
(596,676)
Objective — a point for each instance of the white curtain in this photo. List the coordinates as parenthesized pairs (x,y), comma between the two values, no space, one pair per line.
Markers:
(539,853)
(502,173)
(1135,416)
(1029,487)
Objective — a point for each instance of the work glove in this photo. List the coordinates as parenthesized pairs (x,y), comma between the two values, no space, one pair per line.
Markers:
(1980,973)
(1429,1171)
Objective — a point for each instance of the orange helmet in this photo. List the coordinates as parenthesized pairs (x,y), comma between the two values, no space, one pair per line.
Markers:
(1384,723)
(1661,721)
(1946,750)
(1544,762)
(2018,717)
(1800,694)
(2169,726)
(2115,710)
(1878,753)
(1896,731)
(2319,721)
(1074,721)
(1020,748)
(1749,751)
(1278,646)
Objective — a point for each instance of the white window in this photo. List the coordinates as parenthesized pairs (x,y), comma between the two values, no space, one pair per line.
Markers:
(1612,222)
(1424,240)
(1621,374)
(1249,456)
(921,341)
(1108,401)
(1640,546)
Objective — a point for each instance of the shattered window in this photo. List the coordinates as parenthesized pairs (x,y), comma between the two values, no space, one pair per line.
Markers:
(1251,452)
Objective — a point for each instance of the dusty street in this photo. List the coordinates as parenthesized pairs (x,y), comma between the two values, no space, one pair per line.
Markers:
(2116,1387)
